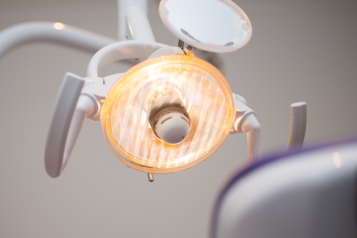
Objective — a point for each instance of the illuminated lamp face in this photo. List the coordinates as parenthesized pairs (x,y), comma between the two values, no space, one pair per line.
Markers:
(194,88)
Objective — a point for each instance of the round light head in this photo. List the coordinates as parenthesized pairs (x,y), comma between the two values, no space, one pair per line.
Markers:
(167,114)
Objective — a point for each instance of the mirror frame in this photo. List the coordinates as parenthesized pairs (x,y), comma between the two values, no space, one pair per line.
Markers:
(206,46)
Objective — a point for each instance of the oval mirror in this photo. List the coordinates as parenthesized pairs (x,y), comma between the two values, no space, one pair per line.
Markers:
(211,25)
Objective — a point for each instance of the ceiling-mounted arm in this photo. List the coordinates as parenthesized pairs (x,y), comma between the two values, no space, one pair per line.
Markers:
(139,26)
(133,21)
(52,32)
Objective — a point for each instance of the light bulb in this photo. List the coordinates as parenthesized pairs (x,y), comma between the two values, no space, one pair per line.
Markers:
(171,126)
(167,114)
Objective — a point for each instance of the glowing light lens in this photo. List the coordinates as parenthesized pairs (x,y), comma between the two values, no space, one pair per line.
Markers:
(207,98)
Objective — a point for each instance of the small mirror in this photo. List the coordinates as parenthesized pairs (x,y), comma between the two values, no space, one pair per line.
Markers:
(211,25)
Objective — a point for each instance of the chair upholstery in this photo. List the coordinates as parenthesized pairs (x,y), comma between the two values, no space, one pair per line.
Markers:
(306,194)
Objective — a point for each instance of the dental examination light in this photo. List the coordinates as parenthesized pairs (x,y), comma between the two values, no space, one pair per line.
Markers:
(171,110)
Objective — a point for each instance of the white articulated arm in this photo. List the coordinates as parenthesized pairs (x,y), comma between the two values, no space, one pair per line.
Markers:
(120,51)
(123,26)
(133,22)
(139,25)
(52,32)
(246,122)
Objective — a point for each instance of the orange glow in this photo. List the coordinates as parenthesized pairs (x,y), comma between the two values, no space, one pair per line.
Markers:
(206,95)
(58,25)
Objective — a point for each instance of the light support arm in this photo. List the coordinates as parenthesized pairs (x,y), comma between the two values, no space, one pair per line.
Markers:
(139,25)
(133,22)
(52,32)
(120,51)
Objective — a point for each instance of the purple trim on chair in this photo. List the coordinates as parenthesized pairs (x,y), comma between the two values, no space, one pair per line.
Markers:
(258,164)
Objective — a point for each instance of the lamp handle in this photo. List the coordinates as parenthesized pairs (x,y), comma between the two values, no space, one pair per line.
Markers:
(70,111)
(297,126)
(246,122)
(251,126)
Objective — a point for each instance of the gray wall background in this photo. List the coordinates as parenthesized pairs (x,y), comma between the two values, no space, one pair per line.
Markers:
(300,51)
